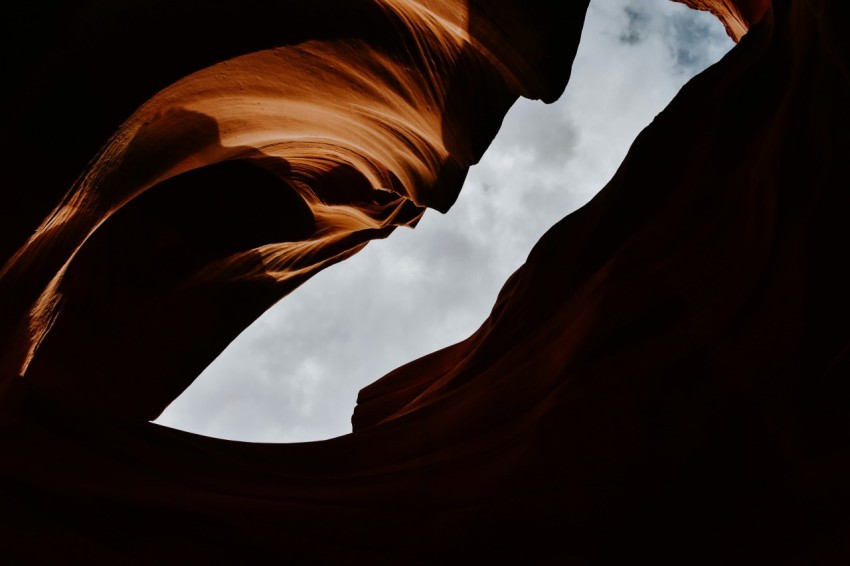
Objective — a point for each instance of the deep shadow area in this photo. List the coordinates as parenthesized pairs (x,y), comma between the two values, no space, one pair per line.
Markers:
(130,290)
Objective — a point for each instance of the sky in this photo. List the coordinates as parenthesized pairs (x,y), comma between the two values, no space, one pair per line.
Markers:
(293,376)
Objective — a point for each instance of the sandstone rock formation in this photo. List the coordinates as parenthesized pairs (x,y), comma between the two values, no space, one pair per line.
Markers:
(666,376)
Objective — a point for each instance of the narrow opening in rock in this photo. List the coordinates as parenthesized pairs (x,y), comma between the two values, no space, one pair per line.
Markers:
(294,374)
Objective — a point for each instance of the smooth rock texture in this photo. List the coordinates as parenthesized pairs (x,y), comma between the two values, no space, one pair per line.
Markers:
(736,15)
(285,148)
(666,378)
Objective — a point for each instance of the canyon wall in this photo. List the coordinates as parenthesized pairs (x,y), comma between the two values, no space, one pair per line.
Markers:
(666,377)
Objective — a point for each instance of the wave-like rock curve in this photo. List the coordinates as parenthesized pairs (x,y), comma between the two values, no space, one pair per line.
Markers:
(231,186)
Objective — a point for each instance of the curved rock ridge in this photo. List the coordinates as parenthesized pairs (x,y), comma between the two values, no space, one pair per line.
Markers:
(737,15)
(665,378)
(231,186)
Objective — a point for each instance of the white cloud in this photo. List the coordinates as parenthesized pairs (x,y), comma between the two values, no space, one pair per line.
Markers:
(294,375)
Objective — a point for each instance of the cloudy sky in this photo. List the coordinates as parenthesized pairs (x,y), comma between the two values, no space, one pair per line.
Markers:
(294,374)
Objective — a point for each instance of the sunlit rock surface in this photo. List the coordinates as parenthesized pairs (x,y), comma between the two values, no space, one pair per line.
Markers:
(736,15)
(666,376)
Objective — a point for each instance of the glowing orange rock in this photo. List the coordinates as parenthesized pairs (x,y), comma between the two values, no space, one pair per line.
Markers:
(737,15)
